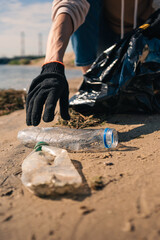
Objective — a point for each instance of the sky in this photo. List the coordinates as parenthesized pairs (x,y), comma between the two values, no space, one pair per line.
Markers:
(30,18)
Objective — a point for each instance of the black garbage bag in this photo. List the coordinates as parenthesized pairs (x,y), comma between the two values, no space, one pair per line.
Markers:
(126,76)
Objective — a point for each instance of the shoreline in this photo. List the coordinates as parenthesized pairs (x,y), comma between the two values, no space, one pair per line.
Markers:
(68,61)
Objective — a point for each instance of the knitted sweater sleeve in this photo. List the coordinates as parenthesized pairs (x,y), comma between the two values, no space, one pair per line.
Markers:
(77,9)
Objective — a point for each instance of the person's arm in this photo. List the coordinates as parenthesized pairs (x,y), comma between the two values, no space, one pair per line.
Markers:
(51,85)
(58,38)
(67,16)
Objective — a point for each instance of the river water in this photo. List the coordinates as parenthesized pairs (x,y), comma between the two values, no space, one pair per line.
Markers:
(20,77)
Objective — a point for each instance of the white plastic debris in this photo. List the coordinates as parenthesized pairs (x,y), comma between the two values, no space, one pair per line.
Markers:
(48,170)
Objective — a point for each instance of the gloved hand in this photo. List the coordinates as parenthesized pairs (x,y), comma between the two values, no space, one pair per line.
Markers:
(47,88)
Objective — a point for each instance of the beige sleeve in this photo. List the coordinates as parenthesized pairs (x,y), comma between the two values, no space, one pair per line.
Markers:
(77,9)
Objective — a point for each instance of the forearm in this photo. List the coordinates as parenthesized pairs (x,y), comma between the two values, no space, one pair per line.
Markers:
(58,38)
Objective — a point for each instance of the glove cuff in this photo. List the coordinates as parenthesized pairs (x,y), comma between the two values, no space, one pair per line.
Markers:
(55,67)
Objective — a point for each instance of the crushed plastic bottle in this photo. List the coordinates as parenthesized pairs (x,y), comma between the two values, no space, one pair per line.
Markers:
(71,139)
(48,170)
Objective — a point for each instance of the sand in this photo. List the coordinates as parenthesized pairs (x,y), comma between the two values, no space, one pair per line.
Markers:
(127,207)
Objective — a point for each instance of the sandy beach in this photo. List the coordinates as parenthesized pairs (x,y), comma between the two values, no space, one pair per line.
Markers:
(127,207)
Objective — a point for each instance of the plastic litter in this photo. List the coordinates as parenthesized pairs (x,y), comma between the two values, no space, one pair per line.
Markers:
(126,76)
(48,170)
(71,139)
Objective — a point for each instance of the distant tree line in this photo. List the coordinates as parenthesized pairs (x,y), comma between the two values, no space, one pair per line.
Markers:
(19,60)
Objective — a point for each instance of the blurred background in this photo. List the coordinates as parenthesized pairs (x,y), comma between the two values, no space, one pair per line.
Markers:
(24,28)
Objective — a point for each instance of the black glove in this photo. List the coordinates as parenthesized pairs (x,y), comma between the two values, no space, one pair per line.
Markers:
(47,88)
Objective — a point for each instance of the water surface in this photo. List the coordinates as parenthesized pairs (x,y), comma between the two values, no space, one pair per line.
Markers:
(20,77)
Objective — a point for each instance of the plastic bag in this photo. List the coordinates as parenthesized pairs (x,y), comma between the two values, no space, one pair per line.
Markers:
(126,76)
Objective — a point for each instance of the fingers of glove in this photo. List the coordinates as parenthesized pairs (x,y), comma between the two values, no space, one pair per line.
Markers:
(41,82)
(38,107)
(35,105)
(46,86)
(31,96)
(50,106)
(29,112)
(64,103)
(36,81)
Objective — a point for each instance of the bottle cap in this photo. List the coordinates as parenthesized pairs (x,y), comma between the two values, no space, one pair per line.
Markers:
(104,138)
